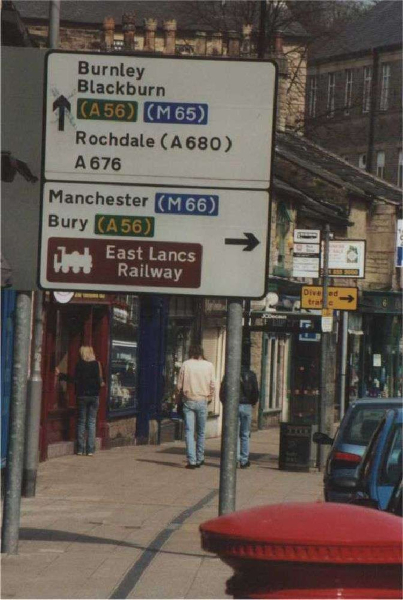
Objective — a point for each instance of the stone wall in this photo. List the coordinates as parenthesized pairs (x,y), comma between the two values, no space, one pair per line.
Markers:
(121,432)
(381,240)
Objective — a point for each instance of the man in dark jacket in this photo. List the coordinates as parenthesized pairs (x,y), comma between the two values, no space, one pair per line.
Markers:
(248,397)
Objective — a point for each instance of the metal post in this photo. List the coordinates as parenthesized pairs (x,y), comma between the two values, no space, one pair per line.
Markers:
(54,23)
(324,345)
(262,29)
(343,373)
(263,371)
(33,404)
(229,438)
(15,454)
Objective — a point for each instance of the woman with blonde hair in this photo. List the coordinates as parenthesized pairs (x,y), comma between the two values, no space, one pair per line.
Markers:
(88,381)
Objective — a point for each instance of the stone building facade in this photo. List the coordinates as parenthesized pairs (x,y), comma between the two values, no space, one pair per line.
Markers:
(301,198)
(354,100)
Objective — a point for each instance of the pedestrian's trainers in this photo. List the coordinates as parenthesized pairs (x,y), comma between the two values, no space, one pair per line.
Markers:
(80,453)
(199,464)
(90,454)
(189,466)
(245,465)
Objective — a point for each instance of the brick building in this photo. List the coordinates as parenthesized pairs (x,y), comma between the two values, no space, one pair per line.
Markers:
(354,99)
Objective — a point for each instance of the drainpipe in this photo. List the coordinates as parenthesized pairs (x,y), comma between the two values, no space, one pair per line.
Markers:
(262,30)
(344,342)
(372,111)
(54,23)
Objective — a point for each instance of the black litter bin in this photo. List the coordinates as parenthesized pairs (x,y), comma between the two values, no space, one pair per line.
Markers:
(295,447)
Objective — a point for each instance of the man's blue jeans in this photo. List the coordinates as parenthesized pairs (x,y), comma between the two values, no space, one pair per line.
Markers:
(87,419)
(195,417)
(245,420)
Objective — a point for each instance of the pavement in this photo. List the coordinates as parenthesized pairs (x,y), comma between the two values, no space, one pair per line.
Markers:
(124,523)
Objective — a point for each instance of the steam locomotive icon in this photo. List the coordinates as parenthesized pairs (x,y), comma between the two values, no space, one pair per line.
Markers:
(75,261)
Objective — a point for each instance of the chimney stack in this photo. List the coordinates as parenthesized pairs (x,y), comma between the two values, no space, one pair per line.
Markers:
(216,46)
(150,27)
(201,43)
(246,47)
(233,44)
(108,34)
(170,36)
(129,28)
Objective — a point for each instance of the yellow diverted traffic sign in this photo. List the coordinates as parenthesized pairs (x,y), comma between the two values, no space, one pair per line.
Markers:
(339,298)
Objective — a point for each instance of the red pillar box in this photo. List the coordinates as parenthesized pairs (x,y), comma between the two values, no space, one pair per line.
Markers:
(309,550)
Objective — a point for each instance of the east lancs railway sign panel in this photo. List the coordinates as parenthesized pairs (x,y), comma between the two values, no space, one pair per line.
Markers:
(175,241)
(155,174)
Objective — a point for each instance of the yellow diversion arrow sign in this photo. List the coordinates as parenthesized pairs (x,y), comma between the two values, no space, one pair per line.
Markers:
(339,298)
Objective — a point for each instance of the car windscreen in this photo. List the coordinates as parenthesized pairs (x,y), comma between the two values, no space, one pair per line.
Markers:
(391,471)
(362,424)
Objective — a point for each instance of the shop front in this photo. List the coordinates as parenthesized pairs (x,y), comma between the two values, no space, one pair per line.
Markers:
(85,320)
(290,361)
(376,347)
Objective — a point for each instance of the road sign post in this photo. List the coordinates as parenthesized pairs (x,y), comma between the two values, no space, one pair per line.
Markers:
(156,179)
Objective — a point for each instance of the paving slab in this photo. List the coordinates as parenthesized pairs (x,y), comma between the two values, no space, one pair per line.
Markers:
(127,521)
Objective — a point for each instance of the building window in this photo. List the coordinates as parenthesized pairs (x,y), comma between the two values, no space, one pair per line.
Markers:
(184,49)
(362,161)
(331,87)
(380,164)
(118,44)
(312,95)
(400,170)
(366,100)
(348,92)
(385,87)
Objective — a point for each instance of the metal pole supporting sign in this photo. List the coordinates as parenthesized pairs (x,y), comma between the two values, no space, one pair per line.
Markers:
(229,438)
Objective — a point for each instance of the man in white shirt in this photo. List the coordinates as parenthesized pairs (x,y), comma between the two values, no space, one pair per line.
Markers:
(197,382)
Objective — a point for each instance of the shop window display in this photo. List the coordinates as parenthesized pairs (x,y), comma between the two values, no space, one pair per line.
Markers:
(123,394)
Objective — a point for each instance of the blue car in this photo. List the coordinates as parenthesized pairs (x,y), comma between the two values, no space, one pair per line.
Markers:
(379,475)
(350,443)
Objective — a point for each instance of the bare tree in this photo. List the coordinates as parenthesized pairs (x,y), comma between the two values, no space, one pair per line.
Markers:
(303,24)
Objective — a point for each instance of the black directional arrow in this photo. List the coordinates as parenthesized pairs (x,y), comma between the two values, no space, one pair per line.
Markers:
(250,242)
(62,104)
(348,298)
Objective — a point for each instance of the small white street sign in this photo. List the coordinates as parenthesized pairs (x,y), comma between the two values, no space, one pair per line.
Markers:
(327,324)
(311,236)
(311,249)
(399,243)
(305,266)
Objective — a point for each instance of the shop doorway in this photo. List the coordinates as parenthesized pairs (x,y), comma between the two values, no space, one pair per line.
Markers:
(67,328)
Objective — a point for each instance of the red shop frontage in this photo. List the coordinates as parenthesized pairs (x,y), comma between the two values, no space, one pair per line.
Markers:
(85,320)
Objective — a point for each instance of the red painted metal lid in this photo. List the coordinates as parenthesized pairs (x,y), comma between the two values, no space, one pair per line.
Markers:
(307,532)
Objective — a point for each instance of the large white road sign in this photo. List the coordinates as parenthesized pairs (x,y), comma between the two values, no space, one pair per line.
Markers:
(156,174)
(135,119)
(154,239)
